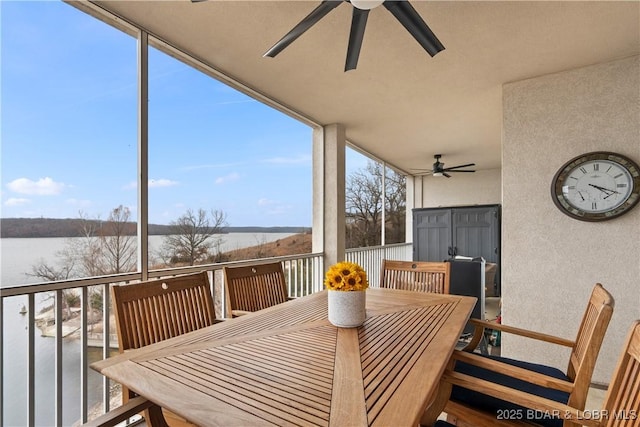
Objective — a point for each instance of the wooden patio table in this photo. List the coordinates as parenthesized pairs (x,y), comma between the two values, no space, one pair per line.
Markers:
(287,365)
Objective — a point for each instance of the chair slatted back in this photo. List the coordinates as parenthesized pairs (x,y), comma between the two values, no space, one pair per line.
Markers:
(255,287)
(588,342)
(622,402)
(155,310)
(418,276)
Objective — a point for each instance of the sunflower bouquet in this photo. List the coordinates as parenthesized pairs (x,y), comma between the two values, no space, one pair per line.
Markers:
(346,276)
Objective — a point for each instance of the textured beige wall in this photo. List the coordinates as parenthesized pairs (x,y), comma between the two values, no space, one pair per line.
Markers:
(550,261)
(480,188)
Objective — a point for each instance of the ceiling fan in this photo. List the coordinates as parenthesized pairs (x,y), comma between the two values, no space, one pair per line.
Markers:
(439,169)
(401,9)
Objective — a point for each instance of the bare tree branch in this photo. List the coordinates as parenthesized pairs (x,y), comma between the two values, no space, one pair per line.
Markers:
(117,243)
(193,237)
(364,204)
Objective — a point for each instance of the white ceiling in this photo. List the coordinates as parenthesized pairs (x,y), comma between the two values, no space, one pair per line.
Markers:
(399,104)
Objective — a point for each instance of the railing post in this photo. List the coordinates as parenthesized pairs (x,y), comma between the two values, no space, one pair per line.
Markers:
(106,331)
(1,360)
(59,301)
(85,306)
(31,377)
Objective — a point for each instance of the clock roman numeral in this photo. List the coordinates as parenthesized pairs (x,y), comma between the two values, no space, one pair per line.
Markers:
(572,187)
(596,167)
(621,185)
(583,170)
(618,176)
(594,206)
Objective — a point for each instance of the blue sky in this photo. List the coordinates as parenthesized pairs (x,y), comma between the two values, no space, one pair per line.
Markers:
(69,130)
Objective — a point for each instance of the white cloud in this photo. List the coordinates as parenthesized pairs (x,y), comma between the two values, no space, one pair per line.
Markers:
(156,183)
(234,176)
(301,159)
(273,207)
(278,210)
(130,186)
(265,202)
(153,183)
(213,166)
(16,202)
(42,187)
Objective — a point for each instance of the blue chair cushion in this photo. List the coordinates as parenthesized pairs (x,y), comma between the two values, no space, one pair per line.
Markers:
(508,410)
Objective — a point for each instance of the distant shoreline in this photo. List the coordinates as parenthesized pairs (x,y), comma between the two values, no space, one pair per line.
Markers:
(24,228)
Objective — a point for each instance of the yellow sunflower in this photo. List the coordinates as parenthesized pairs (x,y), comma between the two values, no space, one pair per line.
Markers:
(346,276)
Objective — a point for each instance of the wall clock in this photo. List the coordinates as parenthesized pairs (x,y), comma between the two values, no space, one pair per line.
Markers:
(596,186)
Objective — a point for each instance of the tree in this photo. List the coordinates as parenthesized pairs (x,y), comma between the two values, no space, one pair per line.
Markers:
(364,204)
(193,236)
(106,247)
(50,273)
(83,252)
(396,207)
(118,243)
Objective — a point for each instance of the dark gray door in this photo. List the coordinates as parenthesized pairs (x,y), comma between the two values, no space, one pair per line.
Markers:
(431,234)
(475,232)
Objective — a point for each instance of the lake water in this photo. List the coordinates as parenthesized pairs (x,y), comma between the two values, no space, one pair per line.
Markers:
(17,256)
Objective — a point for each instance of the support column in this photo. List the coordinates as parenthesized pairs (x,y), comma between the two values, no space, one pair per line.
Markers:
(414,200)
(143,155)
(329,192)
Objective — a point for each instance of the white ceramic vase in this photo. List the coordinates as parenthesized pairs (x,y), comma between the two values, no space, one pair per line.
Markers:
(347,308)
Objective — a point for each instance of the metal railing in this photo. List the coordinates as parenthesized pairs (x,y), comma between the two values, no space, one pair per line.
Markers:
(370,259)
(71,338)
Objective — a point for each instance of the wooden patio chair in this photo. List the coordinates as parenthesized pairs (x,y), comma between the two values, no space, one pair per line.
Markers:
(418,276)
(156,310)
(469,407)
(122,413)
(254,287)
(621,404)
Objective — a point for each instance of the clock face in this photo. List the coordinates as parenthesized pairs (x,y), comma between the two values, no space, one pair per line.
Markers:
(596,186)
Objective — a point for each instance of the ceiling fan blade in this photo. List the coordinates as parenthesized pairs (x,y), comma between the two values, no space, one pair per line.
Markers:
(356,35)
(317,14)
(446,175)
(411,20)
(448,170)
(461,166)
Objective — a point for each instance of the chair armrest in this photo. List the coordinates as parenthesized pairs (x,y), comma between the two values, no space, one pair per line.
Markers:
(514,371)
(481,325)
(236,313)
(482,419)
(116,416)
(521,398)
